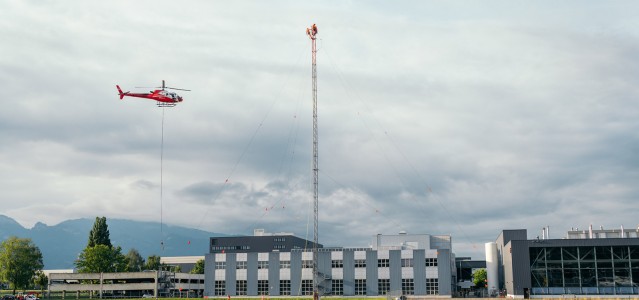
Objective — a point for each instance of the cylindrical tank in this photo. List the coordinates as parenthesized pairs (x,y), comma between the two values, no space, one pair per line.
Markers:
(492,274)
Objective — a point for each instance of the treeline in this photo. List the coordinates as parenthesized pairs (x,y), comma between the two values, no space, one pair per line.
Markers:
(21,260)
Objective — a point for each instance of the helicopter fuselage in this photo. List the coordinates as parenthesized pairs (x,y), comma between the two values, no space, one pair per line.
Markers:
(157,95)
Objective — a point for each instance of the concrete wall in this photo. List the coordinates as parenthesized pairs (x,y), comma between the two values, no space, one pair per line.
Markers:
(419,271)
(444,271)
(126,281)
(209,274)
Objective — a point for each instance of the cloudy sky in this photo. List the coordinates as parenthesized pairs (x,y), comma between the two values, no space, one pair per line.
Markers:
(440,117)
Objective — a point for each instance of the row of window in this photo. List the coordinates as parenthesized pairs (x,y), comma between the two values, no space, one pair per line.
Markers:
(584,269)
(337,287)
(335,264)
(262,287)
(221,248)
(240,265)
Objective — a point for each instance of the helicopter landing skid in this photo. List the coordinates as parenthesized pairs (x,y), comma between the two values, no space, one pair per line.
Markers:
(164,104)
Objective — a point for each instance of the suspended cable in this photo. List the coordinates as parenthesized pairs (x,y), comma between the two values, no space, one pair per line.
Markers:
(429,189)
(372,207)
(250,142)
(292,138)
(162,184)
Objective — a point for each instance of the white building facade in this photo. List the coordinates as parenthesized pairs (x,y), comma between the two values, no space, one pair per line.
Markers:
(393,265)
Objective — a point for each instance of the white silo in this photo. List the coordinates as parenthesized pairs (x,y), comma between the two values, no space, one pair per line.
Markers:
(491,267)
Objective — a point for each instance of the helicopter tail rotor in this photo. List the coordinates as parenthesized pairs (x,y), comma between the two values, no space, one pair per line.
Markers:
(120,92)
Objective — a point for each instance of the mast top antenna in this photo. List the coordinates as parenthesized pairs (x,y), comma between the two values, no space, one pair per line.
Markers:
(311,31)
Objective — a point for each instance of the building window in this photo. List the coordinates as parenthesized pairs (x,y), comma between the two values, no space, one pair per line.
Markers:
(432,286)
(285,287)
(307,287)
(407,262)
(285,264)
(360,263)
(337,264)
(240,287)
(279,246)
(431,262)
(224,248)
(279,239)
(383,263)
(240,265)
(408,287)
(220,288)
(337,287)
(262,287)
(584,270)
(360,286)
(220,265)
(262,264)
(307,264)
(383,286)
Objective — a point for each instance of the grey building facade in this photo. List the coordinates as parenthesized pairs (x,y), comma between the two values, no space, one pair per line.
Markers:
(259,242)
(582,266)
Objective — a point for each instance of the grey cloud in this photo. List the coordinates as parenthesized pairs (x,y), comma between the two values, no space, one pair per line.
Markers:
(462,124)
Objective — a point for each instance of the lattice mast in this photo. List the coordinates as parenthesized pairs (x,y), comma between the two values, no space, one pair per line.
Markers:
(312,32)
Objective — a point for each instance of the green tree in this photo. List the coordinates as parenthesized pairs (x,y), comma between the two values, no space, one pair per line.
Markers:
(40,280)
(152,263)
(99,234)
(134,261)
(101,258)
(19,261)
(198,268)
(479,278)
(176,269)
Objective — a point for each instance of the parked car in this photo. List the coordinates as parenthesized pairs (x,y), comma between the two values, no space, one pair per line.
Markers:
(147,296)
(8,297)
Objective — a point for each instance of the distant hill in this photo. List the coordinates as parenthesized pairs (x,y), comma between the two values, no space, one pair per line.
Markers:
(60,244)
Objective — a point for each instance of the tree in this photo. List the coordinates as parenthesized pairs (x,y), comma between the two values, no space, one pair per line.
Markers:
(19,261)
(176,269)
(479,278)
(198,268)
(99,235)
(100,255)
(101,258)
(152,263)
(134,261)
(40,280)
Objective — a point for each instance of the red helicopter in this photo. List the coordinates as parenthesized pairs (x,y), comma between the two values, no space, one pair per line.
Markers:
(164,98)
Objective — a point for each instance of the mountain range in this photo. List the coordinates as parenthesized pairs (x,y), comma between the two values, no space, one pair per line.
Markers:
(62,243)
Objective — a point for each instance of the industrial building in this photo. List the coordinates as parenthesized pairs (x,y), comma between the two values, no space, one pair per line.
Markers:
(401,264)
(126,284)
(584,263)
(261,241)
(184,263)
(465,267)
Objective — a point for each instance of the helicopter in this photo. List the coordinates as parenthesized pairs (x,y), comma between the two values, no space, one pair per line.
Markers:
(163,97)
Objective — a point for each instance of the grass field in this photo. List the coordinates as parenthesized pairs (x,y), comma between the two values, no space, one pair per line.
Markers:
(85,296)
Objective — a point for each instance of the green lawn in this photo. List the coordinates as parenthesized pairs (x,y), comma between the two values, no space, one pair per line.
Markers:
(85,296)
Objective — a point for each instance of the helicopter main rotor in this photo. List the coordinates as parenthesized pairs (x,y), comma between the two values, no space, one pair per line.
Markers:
(163,87)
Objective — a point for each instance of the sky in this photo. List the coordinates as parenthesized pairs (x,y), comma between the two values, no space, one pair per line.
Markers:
(434,117)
